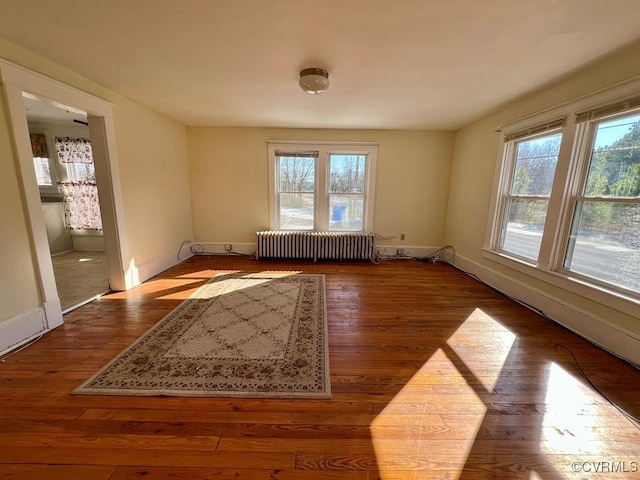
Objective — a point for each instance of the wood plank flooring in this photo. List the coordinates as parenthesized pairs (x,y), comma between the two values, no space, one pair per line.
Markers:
(434,376)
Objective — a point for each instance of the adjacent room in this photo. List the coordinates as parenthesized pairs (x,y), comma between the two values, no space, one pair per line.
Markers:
(302,240)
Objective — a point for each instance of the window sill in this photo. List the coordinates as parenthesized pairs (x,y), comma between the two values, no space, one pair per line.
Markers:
(578,286)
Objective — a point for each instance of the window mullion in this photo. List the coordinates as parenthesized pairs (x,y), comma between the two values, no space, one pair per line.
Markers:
(553,244)
(321,193)
(576,172)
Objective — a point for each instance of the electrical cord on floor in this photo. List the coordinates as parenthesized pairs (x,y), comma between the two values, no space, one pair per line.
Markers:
(186,242)
(198,249)
(28,344)
(635,421)
(439,255)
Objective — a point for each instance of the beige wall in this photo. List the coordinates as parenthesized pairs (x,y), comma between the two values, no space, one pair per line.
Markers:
(229,182)
(475,160)
(154,174)
(154,178)
(19,292)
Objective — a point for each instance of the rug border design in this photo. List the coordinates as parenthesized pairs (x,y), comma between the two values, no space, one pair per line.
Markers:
(82,389)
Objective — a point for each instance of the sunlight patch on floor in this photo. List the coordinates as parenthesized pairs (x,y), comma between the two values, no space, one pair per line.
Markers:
(411,429)
(151,287)
(481,340)
(434,400)
(572,410)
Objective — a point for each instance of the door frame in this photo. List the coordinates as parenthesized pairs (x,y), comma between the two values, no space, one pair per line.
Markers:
(15,81)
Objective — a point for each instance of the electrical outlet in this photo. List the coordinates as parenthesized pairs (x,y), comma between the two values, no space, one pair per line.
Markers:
(402,236)
(400,252)
(228,247)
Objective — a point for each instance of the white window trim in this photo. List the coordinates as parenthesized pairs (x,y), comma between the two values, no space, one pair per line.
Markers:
(549,267)
(324,149)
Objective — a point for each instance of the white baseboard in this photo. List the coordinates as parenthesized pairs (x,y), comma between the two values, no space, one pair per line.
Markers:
(144,271)
(597,330)
(19,330)
(215,248)
(409,251)
(53,313)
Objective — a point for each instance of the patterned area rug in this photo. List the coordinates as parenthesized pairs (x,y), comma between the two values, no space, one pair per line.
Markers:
(239,335)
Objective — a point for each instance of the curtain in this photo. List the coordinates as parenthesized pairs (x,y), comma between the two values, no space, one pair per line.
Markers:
(81,205)
(39,145)
(79,198)
(74,150)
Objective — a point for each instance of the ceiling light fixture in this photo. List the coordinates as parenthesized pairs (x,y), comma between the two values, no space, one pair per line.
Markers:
(314,80)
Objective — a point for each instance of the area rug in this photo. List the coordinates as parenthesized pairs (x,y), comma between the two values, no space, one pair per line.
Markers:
(239,335)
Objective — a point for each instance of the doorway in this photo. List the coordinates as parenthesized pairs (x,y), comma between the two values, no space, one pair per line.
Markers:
(15,82)
(66,179)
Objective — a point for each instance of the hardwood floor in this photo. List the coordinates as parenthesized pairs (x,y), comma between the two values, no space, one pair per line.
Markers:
(80,276)
(434,376)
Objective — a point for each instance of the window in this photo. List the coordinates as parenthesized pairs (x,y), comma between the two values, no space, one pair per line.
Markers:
(532,166)
(321,187)
(604,241)
(296,189)
(80,172)
(43,171)
(44,168)
(567,205)
(347,191)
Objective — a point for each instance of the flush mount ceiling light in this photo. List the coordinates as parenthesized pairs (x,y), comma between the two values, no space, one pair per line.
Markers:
(314,80)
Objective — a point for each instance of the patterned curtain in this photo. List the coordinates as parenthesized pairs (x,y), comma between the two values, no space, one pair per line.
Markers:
(80,198)
(74,150)
(39,145)
(81,205)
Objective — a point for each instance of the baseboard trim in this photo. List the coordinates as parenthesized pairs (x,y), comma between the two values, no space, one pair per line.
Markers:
(144,271)
(53,313)
(19,330)
(215,248)
(410,251)
(605,334)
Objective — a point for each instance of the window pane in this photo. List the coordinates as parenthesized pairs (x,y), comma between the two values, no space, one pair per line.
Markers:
(297,174)
(346,212)
(522,233)
(346,173)
(296,211)
(81,172)
(43,173)
(606,243)
(535,165)
(614,169)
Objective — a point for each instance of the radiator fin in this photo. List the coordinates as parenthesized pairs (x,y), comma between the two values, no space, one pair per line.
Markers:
(315,245)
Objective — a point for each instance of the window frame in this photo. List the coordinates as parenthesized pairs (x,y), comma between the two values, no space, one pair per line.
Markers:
(570,177)
(510,158)
(585,139)
(54,169)
(321,192)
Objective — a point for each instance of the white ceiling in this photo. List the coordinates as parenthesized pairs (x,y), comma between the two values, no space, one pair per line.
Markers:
(393,64)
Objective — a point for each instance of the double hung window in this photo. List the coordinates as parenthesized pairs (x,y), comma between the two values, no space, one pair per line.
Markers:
(604,240)
(524,203)
(322,187)
(568,198)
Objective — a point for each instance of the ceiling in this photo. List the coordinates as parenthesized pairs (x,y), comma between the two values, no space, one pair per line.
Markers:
(393,64)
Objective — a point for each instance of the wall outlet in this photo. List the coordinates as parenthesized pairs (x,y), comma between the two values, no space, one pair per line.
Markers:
(400,252)
(402,236)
